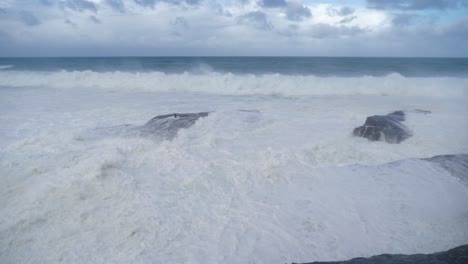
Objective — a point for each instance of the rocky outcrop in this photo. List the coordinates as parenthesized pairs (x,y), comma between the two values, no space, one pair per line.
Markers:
(167,126)
(162,127)
(387,128)
(458,255)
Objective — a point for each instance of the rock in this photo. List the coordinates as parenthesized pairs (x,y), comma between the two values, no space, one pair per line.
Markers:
(458,255)
(420,111)
(384,127)
(167,126)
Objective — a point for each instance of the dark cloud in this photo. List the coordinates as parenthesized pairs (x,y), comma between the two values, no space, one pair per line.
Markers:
(69,22)
(47,2)
(347,19)
(81,5)
(181,23)
(297,12)
(329,31)
(76,5)
(180,26)
(416,4)
(403,19)
(192,2)
(342,11)
(116,5)
(28,19)
(24,17)
(152,3)
(146,3)
(256,19)
(95,19)
(272,3)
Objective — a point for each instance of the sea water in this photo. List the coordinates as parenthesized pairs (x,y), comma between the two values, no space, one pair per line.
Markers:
(285,183)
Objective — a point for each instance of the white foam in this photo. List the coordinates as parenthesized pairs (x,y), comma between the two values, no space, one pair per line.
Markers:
(232,84)
(237,187)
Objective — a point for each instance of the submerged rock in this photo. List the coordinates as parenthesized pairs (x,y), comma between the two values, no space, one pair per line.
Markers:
(384,127)
(458,255)
(167,126)
(162,127)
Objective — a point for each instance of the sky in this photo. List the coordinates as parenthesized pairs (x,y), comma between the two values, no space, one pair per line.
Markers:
(384,28)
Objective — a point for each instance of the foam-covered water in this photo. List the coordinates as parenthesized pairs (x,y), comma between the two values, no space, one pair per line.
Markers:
(287,183)
(234,84)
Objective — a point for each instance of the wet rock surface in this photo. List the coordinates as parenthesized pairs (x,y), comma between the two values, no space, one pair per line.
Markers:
(161,127)
(167,126)
(458,255)
(387,128)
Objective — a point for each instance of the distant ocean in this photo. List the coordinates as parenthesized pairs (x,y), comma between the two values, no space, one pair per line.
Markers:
(270,172)
(318,66)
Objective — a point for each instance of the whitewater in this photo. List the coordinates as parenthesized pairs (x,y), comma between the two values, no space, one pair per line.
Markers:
(285,183)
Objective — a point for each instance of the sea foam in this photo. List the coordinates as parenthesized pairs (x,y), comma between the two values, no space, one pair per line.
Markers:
(241,84)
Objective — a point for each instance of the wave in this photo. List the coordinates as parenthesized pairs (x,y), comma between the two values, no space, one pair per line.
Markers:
(4,67)
(242,84)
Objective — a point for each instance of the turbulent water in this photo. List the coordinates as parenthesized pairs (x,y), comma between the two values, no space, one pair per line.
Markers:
(286,183)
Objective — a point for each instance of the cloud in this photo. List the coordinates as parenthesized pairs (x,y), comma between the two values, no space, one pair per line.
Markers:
(4,37)
(459,29)
(28,19)
(257,19)
(403,19)
(117,5)
(322,30)
(180,25)
(272,3)
(69,22)
(25,17)
(76,5)
(79,5)
(146,3)
(95,19)
(181,22)
(231,27)
(347,19)
(297,12)
(47,2)
(416,4)
(152,3)
(342,11)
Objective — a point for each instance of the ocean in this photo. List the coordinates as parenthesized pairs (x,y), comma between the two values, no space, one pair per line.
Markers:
(271,173)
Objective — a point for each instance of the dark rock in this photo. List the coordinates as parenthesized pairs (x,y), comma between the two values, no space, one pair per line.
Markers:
(420,111)
(384,127)
(162,127)
(167,126)
(458,255)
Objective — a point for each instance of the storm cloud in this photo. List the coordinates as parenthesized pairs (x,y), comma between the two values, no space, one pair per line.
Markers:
(296,11)
(416,4)
(117,5)
(235,27)
(272,3)
(256,19)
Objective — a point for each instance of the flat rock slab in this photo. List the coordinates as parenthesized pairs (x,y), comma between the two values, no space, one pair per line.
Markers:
(387,128)
(167,126)
(458,255)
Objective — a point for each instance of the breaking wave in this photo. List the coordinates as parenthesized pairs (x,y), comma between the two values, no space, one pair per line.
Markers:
(241,84)
(4,67)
